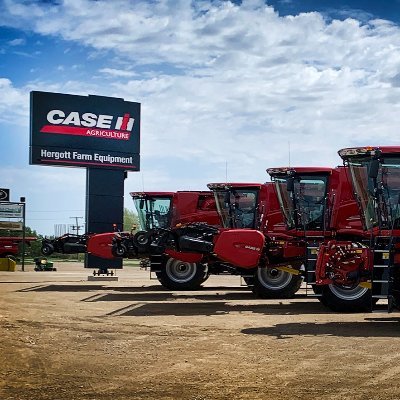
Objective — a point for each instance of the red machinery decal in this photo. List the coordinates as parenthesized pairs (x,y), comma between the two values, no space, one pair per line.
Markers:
(241,247)
(100,245)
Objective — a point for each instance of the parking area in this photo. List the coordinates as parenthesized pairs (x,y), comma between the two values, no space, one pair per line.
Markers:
(64,337)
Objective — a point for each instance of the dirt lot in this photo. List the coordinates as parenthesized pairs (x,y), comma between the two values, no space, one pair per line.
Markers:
(63,337)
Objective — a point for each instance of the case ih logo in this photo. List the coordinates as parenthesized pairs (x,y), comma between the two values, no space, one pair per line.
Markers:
(89,124)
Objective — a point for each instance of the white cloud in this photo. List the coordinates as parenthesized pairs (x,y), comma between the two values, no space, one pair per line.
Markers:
(118,73)
(17,42)
(221,82)
(14,104)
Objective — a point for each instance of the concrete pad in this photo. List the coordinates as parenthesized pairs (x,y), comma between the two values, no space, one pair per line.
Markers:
(102,278)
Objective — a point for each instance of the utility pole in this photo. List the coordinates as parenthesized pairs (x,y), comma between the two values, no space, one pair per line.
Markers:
(76,228)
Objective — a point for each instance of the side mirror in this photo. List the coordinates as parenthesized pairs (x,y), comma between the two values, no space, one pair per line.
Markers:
(141,204)
(373,169)
(290,184)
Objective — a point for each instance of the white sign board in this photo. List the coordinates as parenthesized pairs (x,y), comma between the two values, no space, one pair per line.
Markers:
(11,210)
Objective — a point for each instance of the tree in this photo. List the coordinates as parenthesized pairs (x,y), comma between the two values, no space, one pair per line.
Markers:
(131,220)
(28,232)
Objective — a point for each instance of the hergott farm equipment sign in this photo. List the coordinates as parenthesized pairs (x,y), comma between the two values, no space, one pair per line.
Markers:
(84,131)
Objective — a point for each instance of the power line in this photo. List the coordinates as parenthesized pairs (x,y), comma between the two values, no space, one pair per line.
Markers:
(39,211)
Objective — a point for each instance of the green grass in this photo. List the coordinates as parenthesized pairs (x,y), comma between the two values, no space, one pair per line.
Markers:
(131,263)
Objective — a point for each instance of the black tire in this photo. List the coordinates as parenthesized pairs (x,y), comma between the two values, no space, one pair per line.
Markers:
(346,299)
(141,239)
(181,275)
(47,249)
(271,283)
(119,250)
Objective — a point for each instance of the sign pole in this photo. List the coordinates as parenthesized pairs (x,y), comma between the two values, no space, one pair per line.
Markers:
(22,199)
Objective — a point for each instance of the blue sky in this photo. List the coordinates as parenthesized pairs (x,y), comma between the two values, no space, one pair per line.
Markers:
(220,83)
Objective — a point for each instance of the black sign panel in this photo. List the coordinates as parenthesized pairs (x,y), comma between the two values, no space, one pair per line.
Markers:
(84,131)
(4,194)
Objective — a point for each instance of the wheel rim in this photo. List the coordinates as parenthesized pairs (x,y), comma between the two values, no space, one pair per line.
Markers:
(273,279)
(120,251)
(142,239)
(348,293)
(45,250)
(180,271)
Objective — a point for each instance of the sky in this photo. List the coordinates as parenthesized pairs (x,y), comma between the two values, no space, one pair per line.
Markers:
(227,88)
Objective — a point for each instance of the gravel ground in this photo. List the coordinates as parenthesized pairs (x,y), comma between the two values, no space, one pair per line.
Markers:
(64,337)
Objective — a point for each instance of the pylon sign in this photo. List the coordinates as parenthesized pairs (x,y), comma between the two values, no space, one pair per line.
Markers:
(4,194)
(84,131)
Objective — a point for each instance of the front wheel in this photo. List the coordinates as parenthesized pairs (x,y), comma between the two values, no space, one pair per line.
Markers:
(141,240)
(346,298)
(181,275)
(47,249)
(272,283)
(119,250)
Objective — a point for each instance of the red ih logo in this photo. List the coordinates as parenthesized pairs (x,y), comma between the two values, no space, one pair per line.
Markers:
(89,124)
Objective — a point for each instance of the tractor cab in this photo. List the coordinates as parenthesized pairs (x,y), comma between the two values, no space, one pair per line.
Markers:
(237,204)
(302,194)
(375,175)
(154,209)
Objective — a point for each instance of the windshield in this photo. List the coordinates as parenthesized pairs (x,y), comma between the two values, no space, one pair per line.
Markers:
(378,198)
(153,212)
(237,207)
(304,207)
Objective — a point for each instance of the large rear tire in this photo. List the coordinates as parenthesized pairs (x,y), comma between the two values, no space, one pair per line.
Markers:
(346,299)
(271,283)
(47,249)
(181,275)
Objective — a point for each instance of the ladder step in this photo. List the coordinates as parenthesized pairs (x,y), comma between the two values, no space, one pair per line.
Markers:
(381,266)
(379,296)
(379,281)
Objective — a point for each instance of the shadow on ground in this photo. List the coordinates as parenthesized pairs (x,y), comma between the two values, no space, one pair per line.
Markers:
(91,288)
(387,327)
(209,308)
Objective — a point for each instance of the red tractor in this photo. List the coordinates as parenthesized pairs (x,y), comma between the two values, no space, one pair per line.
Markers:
(9,245)
(254,206)
(164,210)
(367,265)
(158,211)
(318,207)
